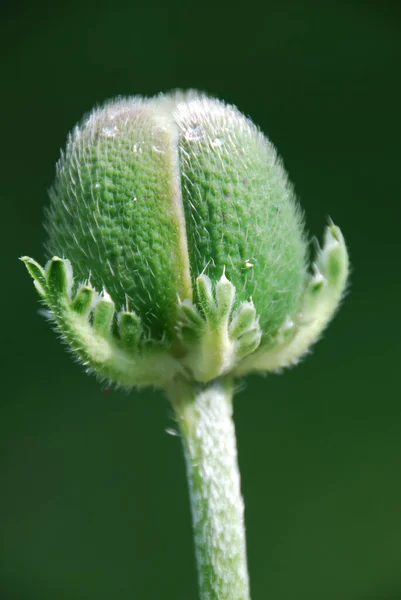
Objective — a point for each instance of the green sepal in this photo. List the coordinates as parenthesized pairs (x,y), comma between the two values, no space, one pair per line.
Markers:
(324,289)
(88,331)
(331,259)
(248,343)
(243,319)
(215,306)
(192,315)
(59,278)
(205,296)
(316,283)
(217,340)
(225,293)
(130,329)
(83,300)
(103,314)
(37,273)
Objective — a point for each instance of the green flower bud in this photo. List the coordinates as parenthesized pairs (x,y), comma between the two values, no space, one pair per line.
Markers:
(180,209)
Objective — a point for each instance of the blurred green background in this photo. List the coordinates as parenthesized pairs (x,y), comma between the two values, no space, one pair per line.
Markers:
(93,499)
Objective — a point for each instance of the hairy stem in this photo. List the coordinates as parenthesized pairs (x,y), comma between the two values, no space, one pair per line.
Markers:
(204,414)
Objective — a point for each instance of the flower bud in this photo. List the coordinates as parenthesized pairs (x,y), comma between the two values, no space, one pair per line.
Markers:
(179,207)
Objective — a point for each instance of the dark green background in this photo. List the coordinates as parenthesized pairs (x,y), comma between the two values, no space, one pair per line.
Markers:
(93,499)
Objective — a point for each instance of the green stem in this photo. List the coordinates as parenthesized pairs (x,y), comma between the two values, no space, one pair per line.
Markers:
(205,418)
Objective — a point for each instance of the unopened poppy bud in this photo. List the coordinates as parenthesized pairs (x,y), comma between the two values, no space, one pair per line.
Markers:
(182,246)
